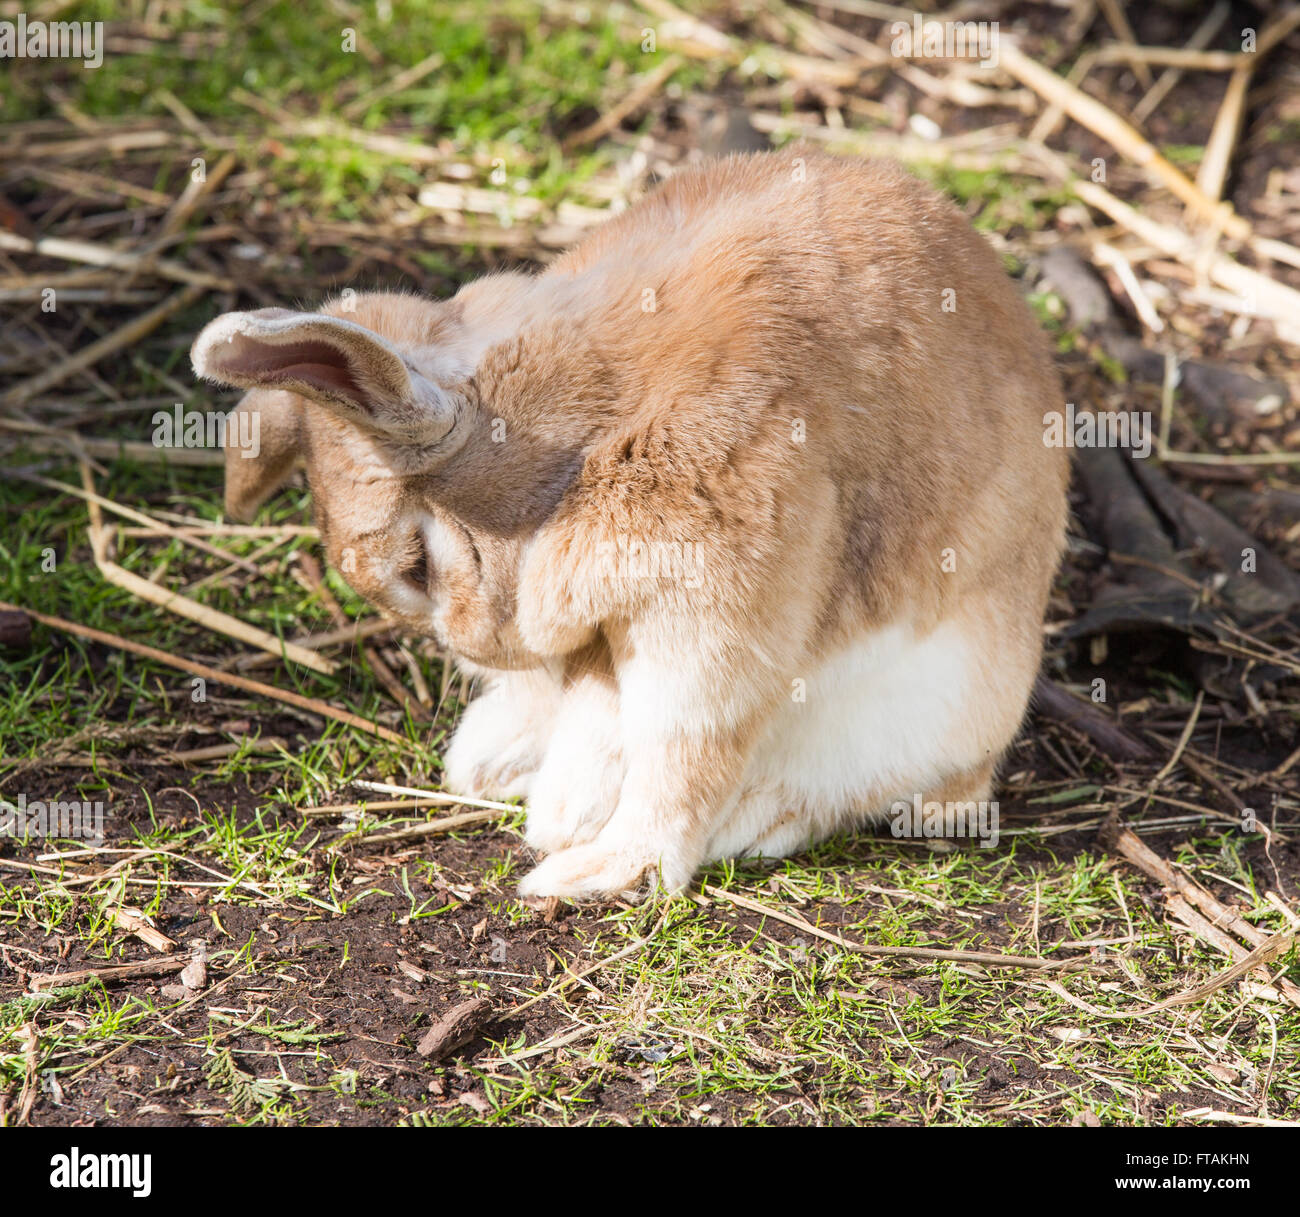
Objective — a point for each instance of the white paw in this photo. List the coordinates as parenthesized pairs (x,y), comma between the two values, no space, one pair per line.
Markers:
(548,827)
(578,785)
(587,871)
(482,765)
(505,776)
(605,867)
(572,799)
(497,748)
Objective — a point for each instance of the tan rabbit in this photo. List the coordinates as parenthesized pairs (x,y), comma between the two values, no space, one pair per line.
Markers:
(743,509)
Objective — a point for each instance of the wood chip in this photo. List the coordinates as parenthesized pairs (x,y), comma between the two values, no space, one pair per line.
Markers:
(133,921)
(455,1028)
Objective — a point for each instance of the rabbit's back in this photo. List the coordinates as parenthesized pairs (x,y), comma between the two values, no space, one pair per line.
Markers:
(794,328)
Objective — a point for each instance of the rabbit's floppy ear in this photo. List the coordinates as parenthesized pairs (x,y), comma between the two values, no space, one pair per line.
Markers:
(255,472)
(340,365)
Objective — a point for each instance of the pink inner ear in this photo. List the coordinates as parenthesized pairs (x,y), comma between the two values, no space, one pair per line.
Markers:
(319,364)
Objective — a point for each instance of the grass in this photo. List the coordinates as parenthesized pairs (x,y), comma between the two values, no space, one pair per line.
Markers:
(328,959)
(507,82)
(554,70)
(716,1019)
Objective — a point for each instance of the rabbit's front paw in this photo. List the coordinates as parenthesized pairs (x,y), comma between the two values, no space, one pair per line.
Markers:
(571,799)
(591,870)
(498,747)
(609,866)
(577,788)
(549,826)
(481,765)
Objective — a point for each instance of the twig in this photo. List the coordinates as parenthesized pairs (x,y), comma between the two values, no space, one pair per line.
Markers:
(1229,1117)
(403,80)
(1277,301)
(417,832)
(460,800)
(118,259)
(1057,703)
(193,197)
(134,922)
(224,530)
(1104,122)
(88,356)
(31,1061)
(1265,953)
(1201,37)
(354,633)
(1185,893)
(217,752)
(122,971)
(985,958)
(1108,255)
(43,438)
(1223,138)
(185,116)
(182,605)
(311,704)
(649,85)
(1171,57)
(331,811)
(213,619)
(97,145)
(1285,767)
(560,1039)
(1119,23)
(1186,735)
(153,527)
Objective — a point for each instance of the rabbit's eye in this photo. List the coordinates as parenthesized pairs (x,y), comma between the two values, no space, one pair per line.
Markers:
(416,568)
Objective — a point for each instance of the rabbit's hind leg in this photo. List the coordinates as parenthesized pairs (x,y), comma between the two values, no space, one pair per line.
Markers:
(769,822)
(881,719)
(972,785)
(762,820)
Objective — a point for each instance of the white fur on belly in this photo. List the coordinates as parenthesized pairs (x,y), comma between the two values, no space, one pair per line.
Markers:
(883,714)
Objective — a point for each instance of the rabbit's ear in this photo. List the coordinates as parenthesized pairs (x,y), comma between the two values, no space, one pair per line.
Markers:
(338,364)
(256,470)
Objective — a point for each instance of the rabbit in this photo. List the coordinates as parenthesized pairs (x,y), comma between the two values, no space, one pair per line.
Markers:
(742,510)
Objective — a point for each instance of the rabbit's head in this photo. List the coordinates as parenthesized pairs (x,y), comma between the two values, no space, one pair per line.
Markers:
(431,458)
